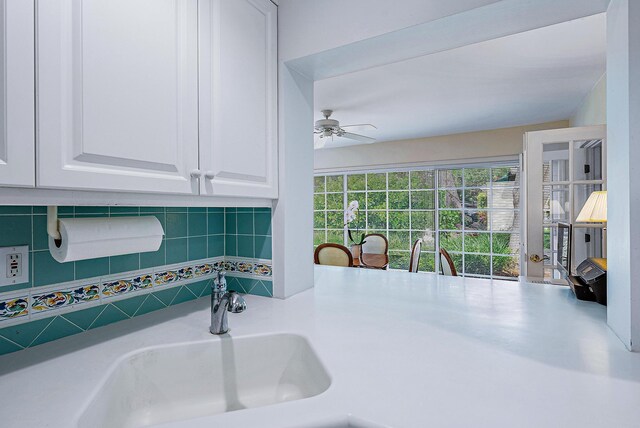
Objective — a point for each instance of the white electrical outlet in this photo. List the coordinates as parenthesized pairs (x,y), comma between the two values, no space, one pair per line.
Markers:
(14,265)
(15,269)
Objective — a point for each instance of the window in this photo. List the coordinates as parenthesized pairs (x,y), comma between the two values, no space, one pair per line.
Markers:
(473,213)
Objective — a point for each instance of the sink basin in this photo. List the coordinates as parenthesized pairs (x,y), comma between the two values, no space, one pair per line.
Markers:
(177,382)
(348,421)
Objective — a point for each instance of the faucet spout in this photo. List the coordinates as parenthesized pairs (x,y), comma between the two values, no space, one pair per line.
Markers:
(222,302)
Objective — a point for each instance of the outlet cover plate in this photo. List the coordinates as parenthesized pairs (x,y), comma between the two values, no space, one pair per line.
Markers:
(20,263)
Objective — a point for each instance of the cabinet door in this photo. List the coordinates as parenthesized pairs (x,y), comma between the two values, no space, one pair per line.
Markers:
(118,95)
(17,130)
(238,98)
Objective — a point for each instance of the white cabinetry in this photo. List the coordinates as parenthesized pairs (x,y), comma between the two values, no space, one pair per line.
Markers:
(146,96)
(118,95)
(238,98)
(17,159)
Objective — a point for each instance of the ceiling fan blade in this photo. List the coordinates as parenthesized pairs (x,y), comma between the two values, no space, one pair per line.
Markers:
(363,125)
(357,137)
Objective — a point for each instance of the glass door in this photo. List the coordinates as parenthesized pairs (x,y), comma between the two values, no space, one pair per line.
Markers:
(562,167)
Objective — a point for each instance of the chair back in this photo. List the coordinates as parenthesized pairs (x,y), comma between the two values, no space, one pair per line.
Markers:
(333,255)
(375,243)
(415,256)
(446,264)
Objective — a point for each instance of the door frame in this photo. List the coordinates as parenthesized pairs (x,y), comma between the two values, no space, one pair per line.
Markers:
(532,225)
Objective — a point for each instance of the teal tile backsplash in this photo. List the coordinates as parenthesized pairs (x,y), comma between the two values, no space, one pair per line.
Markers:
(191,234)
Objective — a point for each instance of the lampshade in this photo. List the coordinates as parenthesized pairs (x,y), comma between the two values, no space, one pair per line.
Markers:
(595,209)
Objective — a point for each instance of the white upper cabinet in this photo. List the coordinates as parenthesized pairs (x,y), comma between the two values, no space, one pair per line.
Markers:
(117,95)
(238,98)
(17,145)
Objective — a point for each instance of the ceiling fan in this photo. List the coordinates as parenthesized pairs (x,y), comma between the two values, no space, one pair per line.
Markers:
(328,128)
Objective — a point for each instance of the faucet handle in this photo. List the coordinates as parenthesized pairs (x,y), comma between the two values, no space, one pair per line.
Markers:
(220,282)
(236,303)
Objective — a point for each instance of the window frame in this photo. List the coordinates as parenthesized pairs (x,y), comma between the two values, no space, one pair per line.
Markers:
(436,210)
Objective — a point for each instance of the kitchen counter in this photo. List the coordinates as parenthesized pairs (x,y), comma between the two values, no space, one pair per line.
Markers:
(403,350)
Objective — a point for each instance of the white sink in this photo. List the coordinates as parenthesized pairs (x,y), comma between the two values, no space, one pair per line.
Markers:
(348,421)
(178,382)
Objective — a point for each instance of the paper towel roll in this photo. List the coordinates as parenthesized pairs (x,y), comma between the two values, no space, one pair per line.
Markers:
(91,238)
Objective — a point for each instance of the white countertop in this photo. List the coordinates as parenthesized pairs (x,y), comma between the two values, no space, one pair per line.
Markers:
(403,350)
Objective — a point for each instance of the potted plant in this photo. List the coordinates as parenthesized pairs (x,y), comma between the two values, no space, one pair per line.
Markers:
(350,216)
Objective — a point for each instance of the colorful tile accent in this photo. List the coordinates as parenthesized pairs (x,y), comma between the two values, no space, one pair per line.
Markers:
(122,286)
(204,269)
(14,308)
(58,299)
(166,277)
(244,267)
(73,297)
(262,269)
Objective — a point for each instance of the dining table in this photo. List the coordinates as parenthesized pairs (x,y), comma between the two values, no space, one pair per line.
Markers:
(371,261)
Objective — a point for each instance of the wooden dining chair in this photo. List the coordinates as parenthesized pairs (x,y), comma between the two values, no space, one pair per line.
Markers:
(375,243)
(333,255)
(446,264)
(415,256)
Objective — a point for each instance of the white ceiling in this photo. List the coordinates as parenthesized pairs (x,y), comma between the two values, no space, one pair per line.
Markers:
(532,77)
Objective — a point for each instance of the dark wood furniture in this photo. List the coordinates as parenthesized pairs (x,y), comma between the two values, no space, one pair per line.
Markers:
(451,271)
(372,261)
(377,236)
(415,256)
(332,247)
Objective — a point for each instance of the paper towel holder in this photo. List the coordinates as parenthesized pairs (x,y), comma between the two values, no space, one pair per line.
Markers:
(53,230)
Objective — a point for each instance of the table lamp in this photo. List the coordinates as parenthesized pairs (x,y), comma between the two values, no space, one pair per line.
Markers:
(595,209)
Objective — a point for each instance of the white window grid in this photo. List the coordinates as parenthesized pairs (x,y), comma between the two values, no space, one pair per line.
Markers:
(435,211)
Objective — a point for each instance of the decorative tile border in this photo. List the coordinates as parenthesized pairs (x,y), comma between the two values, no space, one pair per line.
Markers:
(62,298)
(249,267)
(56,299)
(14,307)
(122,286)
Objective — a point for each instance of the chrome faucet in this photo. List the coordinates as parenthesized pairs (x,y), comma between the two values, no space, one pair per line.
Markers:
(223,301)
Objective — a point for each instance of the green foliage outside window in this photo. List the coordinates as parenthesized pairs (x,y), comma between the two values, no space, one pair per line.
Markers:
(477,243)
(450,220)
(318,202)
(398,200)
(335,236)
(477,264)
(451,241)
(318,220)
(377,181)
(377,200)
(450,198)
(398,219)
(398,180)
(376,220)
(422,179)
(318,237)
(399,260)
(356,182)
(399,240)
(450,178)
(335,201)
(335,219)
(423,220)
(335,183)
(427,262)
(422,200)
(476,177)
(361,197)
(402,206)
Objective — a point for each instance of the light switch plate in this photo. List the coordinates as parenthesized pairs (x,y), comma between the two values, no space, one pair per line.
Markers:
(14,265)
